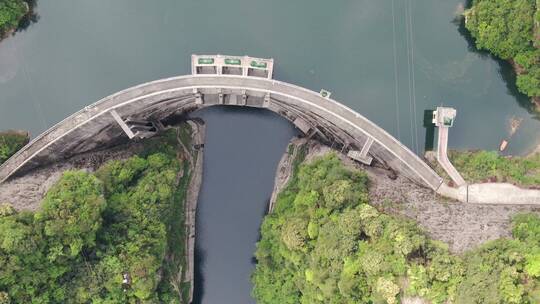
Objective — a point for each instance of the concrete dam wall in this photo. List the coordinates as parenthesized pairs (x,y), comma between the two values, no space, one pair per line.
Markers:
(104,122)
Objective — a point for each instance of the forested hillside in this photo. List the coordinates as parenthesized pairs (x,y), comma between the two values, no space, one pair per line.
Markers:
(510,29)
(107,237)
(324,243)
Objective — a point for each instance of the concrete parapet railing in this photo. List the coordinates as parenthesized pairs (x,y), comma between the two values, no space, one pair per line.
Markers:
(147,95)
(491,193)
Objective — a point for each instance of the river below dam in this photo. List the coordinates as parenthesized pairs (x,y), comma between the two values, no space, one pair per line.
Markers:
(389,60)
(242,150)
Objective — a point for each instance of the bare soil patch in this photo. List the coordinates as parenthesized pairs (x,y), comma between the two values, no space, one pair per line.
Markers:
(26,192)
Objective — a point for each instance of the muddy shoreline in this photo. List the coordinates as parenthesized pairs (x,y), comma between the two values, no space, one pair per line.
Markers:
(462,226)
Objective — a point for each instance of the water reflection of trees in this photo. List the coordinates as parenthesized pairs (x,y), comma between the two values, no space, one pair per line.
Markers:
(509,76)
(429,142)
(30,18)
(505,68)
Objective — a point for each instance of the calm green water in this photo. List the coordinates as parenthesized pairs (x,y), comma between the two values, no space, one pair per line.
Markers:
(80,51)
(389,60)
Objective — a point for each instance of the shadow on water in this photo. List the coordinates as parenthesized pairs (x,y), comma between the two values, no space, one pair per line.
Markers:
(459,22)
(505,68)
(198,279)
(430,130)
(259,235)
(509,76)
(30,18)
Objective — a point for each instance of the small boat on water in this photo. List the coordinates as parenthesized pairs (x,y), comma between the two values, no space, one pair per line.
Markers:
(503,145)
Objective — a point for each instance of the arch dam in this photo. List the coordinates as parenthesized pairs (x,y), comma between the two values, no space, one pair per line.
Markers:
(219,80)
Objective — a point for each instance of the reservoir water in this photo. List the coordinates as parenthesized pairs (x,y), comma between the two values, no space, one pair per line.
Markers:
(388,59)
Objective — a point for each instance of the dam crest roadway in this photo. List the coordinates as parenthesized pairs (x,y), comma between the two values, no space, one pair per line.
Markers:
(243,81)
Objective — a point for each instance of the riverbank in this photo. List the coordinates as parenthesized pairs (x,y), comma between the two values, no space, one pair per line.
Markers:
(510,31)
(12,12)
(193,145)
(461,226)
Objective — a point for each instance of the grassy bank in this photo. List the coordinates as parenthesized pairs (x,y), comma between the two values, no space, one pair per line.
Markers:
(115,236)
(489,166)
(324,243)
(11,142)
(510,30)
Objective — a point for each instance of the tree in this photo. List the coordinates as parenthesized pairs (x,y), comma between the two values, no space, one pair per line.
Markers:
(294,233)
(387,289)
(11,12)
(503,27)
(532,266)
(71,214)
(530,83)
(10,141)
(506,29)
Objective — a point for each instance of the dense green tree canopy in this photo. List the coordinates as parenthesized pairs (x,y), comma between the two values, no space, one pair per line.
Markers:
(98,238)
(11,12)
(11,142)
(504,27)
(324,243)
(507,28)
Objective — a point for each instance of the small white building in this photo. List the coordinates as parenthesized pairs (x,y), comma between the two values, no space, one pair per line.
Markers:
(444,117)
(232,65)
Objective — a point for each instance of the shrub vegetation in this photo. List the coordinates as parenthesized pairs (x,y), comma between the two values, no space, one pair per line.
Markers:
(11,142)
(481,166)
(324,243)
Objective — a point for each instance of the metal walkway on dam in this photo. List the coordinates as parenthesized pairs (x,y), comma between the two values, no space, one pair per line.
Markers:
(114,117)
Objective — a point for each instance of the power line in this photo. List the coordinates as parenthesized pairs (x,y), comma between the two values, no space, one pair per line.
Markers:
(396,89)
(411,31)
(409,75)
